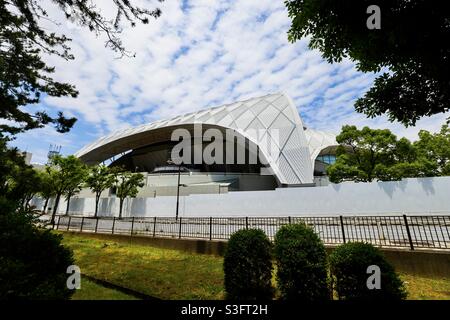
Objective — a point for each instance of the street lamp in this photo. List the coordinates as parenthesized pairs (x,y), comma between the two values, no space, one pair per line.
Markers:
(170,161)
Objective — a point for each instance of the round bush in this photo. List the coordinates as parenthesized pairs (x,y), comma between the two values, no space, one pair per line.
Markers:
(301,264)
(33,263)
(349,270)
(248,266)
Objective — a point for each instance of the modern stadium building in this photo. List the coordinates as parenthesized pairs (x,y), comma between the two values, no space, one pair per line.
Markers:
(268,128)
(291,161)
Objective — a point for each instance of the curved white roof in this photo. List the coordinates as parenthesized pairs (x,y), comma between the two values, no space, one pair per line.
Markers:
(319,140)
(272,118)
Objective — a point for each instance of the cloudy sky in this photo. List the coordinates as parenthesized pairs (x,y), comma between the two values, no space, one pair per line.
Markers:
(199,54)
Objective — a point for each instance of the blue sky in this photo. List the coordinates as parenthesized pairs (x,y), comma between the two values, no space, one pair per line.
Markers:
(199,54)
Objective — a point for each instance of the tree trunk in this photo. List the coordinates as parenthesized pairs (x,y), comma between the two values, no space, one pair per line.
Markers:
(45,205)
(68,204)
(97,199)
(120,208)
(55,207)
(27,200)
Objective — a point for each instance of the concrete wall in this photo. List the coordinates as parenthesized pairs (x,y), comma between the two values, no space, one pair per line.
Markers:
(409,196)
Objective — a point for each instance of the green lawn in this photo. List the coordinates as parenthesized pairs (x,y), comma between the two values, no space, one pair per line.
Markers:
(422,288)
(172,274)
(91,291)
(160,273)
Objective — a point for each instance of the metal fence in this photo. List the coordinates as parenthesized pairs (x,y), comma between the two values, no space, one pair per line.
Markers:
(401,231)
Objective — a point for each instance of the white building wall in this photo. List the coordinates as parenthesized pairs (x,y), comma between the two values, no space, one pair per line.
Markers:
(409,196)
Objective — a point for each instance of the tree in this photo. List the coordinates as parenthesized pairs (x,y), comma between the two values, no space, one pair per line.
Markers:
(417,82)
(75,184)
(373,154)
(33,262)
(408,162)
(127,184)
(359,152)
(436,148)
(398,171)
(11,163)
(27,271)
(47,189)
(25,77)
(68,175)
(99,179)
(19,182)
(27,183)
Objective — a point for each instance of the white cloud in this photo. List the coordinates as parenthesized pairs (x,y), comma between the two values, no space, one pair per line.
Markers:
(215,52)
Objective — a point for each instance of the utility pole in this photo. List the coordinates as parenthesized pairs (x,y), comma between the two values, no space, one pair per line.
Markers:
(178,187)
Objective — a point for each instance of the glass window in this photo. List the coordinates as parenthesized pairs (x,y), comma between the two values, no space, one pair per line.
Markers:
(327,158)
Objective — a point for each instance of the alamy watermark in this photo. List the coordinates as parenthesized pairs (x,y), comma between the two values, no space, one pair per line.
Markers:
(74,280)
(374,280)
(227,146)
(374,20)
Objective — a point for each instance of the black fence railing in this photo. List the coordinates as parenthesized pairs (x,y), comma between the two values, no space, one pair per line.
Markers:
(411,232)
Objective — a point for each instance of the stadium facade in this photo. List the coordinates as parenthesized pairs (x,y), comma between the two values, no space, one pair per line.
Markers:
(289,153)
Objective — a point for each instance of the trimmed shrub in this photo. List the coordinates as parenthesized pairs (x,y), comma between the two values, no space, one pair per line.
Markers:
(33,263)
(349,270)
(301,264)
(248,266)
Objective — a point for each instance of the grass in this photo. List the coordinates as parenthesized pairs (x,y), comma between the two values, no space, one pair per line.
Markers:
(160,273)
(423,288)
(172,274)
(91,291)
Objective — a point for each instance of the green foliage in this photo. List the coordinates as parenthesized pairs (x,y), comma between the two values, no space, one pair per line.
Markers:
(348,266)
(127,184)
(25,77)
(47,189)
(301,264)
(27,184)
(436,148)
(373,154)
(248,266)
(417,84)
(19,182)
(99,179)
(398,171)
(340,171)
(359,153)
(33,262)
(68,174)
(10,159)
